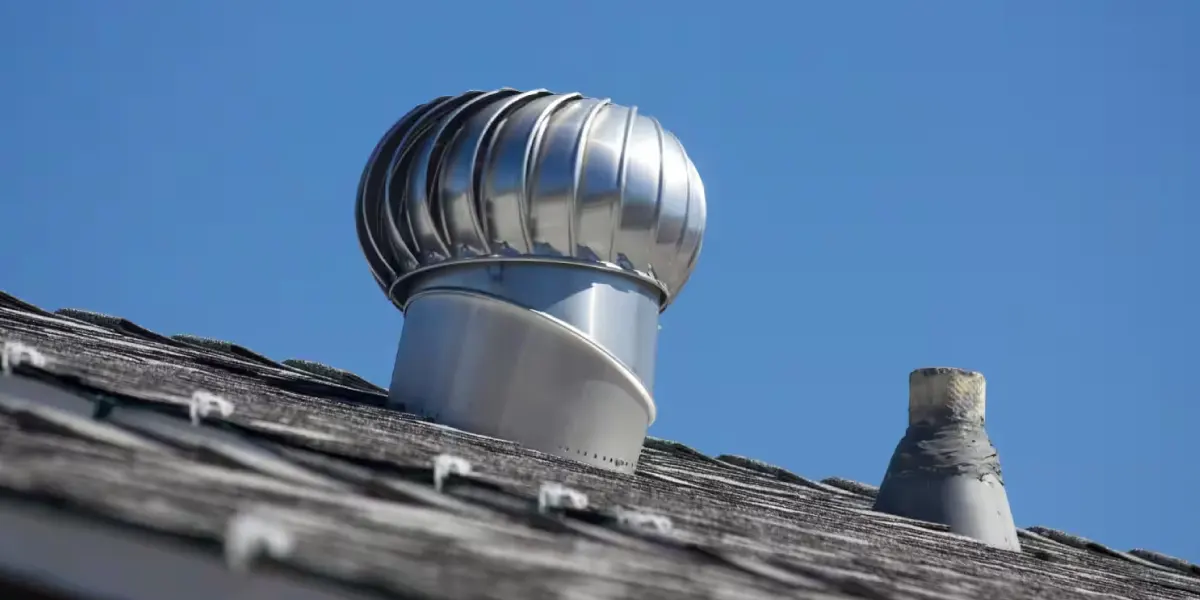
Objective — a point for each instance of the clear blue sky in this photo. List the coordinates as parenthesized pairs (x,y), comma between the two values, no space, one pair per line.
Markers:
(1012,187)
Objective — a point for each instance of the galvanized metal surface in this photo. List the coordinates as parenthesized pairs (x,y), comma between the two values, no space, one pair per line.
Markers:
(532,239)
(530,176)
(555,361)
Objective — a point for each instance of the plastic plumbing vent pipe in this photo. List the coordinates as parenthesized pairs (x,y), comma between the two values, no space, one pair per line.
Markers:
(945,469)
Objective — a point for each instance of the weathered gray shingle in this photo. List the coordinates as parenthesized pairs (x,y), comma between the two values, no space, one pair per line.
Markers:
(309,488)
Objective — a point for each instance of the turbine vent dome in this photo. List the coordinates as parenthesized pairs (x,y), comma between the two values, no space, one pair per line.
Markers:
(531,239)
(530,176)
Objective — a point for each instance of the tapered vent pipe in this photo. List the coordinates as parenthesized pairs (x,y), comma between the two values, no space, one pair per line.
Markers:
(945,469)
(532,239)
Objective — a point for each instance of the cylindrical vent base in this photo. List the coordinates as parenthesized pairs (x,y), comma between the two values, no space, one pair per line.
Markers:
(554,357)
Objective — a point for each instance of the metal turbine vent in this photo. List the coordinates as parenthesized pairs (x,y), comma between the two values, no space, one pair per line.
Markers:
(531,239)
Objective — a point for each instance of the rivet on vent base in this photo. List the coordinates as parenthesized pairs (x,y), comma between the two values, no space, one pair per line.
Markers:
(945,469)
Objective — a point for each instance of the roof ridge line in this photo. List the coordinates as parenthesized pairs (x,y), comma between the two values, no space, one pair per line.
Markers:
(778,472)
(1080,542)
(10,301)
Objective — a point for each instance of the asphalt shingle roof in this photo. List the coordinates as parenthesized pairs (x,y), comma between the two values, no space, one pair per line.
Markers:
(137,465)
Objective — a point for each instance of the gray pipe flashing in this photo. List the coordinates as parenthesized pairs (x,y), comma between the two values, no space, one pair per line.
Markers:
(945,469)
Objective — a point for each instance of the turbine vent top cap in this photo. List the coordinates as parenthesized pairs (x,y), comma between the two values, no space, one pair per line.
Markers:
(534,177)
(944,395)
